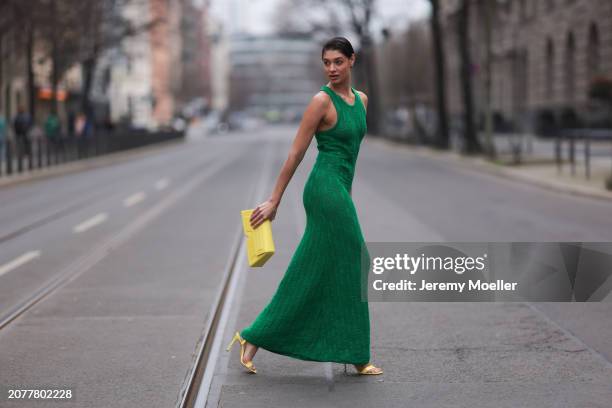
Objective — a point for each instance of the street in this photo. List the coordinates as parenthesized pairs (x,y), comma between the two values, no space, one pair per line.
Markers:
(131,258)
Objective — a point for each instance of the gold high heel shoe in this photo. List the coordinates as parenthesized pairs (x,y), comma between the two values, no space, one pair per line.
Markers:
(248,364)
(367,370)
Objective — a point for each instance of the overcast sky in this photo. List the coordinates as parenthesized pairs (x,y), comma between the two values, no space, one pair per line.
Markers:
(255,16)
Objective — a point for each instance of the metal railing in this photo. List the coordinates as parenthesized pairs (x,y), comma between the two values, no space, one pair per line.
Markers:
(19,155)
(570,137)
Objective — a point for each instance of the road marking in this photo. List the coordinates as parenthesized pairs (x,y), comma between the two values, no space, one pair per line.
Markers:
(89,259)
(209,392)
(90,223)
(162,183)
(17,262)
(134,199)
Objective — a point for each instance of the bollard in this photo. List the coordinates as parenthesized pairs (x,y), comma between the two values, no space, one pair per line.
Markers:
(96,151)
(19,152)
(9,157)
(53,150)
(30,155)
(587,156)
(73,149)
(69,150)
(39,153)
(48,153)
(572,153)
(558,152)
(62,150)
(79,148)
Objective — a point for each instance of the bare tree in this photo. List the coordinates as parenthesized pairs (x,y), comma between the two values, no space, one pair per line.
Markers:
(440,77)
(59,32)
(334,17)
(23,23)
(406,77)
(69,32)
(486,9)
(104,27)
(471,143)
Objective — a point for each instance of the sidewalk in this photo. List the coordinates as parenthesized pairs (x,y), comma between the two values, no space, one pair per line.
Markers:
(538,167)
(84,164)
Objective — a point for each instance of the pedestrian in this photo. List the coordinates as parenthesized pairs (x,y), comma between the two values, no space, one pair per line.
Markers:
(79,125)
(88,129)
(21,126)
(316,312)
(53,130)
(80,122)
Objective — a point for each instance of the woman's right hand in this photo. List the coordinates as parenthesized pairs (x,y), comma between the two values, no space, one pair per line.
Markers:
(264,211)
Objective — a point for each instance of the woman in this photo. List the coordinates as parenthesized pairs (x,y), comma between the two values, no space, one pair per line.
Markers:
(316,313)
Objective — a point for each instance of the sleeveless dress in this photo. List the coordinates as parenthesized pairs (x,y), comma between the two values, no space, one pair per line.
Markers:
(316,313)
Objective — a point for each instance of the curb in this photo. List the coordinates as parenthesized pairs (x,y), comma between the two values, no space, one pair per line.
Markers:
(85,164)
(480,164)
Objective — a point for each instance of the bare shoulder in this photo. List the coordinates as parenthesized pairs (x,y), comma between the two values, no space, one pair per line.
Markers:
(321,98)
(364,98)
(318,104)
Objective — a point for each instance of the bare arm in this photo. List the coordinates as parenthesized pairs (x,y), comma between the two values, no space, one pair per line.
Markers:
(308,126)
(315,111)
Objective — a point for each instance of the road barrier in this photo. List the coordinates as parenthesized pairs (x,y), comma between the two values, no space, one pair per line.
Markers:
(571,136)
(21,155)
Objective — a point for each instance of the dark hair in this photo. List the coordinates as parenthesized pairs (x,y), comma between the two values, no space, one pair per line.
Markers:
(339,44)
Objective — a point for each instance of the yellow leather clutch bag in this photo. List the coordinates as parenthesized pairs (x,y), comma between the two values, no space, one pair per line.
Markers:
(260,245)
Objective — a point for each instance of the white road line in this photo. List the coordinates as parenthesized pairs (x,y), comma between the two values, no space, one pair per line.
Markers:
(134,199)
(90,223)
(162,183)
(209,393)
(89,259)
(17,262)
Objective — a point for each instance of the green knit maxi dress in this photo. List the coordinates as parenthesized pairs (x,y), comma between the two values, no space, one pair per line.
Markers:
(317,313)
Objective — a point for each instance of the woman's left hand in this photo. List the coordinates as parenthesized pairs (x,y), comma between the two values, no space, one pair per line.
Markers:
(264,211)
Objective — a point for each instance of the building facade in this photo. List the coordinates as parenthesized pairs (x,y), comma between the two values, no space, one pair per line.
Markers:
(195,53)
(130,88)
(219,64)
(273,73)
(151,61)
(158,71)
(546,56)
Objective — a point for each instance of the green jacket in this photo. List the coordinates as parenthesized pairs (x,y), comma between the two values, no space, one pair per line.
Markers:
(52,127)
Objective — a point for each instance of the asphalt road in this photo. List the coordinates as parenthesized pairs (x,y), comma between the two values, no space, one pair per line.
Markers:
(147,241)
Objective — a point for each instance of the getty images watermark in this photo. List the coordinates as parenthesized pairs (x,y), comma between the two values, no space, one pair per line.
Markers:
(490,271)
